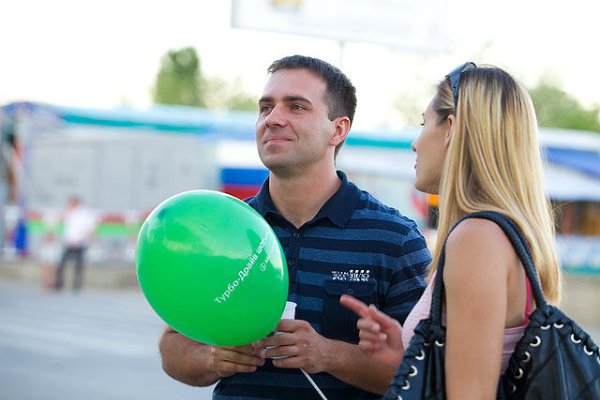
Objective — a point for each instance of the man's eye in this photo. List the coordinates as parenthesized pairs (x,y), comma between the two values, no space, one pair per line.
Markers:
(264,109)
(297,107)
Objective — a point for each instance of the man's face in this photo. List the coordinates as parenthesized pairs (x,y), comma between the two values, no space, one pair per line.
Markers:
(293,131)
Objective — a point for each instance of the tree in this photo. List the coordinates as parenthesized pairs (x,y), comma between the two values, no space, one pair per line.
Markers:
(557,109)
(179,80)
(241,100)
(222,95)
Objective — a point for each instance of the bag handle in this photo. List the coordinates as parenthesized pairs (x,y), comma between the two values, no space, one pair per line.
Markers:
(519,243)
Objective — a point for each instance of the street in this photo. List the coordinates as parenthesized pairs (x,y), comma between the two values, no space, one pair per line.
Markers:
(102,344)
(95,345)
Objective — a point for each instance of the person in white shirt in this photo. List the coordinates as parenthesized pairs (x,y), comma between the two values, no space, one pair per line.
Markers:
(79,225)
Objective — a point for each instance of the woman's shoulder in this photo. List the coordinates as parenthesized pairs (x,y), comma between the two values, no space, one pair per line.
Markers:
(479,242)
(478,231)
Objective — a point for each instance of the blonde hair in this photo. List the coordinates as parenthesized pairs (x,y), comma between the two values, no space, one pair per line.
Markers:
(494,163)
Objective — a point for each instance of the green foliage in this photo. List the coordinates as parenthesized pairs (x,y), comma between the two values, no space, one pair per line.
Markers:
(242,101)
(180,82)
(557,109)
(222,95)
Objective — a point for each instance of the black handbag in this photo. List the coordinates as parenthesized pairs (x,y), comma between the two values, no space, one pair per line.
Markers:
(555,358)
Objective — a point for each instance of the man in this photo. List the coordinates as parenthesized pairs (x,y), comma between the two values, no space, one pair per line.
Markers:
(337,239)
(79,225)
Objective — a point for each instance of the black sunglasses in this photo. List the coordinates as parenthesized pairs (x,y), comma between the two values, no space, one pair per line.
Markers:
(454,78)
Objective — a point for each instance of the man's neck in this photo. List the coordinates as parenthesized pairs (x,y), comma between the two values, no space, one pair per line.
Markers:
(299,198)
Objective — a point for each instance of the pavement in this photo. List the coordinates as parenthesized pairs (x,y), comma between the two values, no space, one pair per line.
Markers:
(97,344)
(98,276)
(581,293)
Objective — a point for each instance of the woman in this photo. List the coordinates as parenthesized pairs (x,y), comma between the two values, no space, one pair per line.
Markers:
(478,149)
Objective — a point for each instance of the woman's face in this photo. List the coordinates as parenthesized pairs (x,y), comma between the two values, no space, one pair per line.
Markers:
(431,147)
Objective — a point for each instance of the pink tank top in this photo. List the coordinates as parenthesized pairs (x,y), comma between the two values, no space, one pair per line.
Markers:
(423,307)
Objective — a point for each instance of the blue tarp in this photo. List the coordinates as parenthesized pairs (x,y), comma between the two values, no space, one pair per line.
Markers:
(587,162)
(173,119)
(240,125)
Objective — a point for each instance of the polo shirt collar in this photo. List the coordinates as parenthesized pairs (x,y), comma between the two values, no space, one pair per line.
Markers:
(338,209)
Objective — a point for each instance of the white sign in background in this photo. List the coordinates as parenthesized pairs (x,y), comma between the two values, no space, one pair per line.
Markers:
(406,24)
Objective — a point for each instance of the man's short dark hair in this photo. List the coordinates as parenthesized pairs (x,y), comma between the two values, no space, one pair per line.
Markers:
(341,94)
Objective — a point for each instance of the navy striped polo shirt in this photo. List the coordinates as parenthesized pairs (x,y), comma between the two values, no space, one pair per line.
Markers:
(354,245)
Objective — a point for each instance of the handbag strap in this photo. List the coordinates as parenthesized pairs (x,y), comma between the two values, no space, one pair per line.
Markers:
(519,243)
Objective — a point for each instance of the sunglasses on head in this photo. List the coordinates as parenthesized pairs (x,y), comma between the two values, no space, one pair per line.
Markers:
(454,78)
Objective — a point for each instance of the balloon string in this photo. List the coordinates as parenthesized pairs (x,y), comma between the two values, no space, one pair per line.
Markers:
(314,384)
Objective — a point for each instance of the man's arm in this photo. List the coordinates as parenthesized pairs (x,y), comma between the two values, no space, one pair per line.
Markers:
(349,364)
(304,348)
(199,364)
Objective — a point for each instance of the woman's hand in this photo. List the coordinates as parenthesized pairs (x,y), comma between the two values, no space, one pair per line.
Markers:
(380,335)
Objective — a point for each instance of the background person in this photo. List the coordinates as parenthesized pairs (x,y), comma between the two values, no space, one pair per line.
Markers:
(78,226)
(337,239)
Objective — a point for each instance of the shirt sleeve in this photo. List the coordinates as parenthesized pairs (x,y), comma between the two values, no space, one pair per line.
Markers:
(408,279)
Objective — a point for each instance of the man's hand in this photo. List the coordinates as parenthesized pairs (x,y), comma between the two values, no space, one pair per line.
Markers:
(302,347)
(300,344)
(200,364)
(226,361)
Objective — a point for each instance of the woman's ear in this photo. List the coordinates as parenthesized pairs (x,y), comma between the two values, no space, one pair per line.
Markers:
(450,123)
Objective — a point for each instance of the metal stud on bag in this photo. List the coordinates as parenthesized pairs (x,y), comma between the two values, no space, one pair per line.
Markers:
(574,339)
(537,342)
(519,374)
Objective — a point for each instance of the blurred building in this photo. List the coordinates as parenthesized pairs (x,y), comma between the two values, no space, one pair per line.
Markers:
(123,162)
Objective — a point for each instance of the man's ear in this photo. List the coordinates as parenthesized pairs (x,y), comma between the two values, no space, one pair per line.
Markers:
(450,124)
(342,127)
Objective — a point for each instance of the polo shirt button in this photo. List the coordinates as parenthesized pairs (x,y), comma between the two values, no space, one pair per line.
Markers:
(349,291)
(296,235)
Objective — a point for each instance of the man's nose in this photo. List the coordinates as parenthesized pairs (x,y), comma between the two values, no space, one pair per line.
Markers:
(276,117)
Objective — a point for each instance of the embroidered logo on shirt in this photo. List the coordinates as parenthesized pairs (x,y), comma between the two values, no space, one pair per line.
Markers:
(353,275)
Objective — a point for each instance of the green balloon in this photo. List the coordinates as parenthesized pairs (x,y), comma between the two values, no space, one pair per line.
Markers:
(212,268)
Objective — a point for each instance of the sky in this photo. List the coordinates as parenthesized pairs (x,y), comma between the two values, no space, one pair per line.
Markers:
(105,54)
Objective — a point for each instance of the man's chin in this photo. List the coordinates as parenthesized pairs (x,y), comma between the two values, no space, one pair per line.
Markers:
(274,163)
(280,169)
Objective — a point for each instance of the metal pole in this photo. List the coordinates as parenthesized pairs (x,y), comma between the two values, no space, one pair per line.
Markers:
(342,47)
(3,185)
